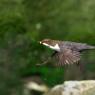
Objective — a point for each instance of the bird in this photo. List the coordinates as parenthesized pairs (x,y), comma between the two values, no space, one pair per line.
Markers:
(66,52)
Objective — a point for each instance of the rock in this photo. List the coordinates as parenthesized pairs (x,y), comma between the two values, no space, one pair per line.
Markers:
(34,85)
(86,87)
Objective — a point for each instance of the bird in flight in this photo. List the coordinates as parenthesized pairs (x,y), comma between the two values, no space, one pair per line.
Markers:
(66,52)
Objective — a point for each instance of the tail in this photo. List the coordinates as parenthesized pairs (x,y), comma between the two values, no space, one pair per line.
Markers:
(90,47)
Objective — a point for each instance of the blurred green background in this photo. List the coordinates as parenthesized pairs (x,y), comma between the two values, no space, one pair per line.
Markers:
(24,22)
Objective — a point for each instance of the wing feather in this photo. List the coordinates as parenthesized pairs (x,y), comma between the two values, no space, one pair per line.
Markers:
(67,56)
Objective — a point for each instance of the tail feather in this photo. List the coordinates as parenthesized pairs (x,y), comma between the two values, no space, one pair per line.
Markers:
(86,47)
(90,47)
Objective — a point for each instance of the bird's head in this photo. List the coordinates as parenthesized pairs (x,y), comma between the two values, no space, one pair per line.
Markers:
(53,44)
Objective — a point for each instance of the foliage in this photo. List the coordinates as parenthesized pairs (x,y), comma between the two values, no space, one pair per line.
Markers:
(23,23)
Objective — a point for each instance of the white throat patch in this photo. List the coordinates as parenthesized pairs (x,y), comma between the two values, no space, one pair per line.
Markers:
(56,47)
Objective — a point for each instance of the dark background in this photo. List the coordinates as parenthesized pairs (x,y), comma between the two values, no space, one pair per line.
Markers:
(25,22)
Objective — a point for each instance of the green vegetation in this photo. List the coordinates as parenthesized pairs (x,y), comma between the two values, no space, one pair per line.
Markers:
(23,23)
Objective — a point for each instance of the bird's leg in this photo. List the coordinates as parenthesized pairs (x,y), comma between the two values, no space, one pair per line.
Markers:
(45,62)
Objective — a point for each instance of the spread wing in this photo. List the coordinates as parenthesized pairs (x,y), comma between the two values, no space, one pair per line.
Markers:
(68,56)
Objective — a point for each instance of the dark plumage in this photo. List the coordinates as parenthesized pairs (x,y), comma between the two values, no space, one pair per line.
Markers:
(66,52)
